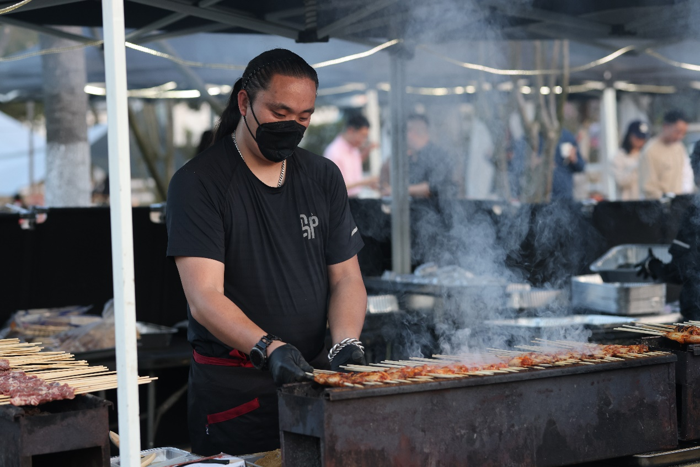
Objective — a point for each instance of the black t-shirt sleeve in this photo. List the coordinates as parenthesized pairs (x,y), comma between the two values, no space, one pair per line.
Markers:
(344,239)
(194,218)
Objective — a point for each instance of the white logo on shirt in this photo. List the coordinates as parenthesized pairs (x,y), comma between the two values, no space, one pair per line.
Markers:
(354,231)
(307,225)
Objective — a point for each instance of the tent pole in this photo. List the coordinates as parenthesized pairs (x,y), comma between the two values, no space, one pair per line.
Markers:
(400,201)
(122,232)
(611,141)
(375,130)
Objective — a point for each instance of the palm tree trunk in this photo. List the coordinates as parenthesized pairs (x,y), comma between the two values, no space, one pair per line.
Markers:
(65,107)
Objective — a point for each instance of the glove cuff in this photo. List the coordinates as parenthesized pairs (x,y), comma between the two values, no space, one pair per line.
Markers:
(342,344)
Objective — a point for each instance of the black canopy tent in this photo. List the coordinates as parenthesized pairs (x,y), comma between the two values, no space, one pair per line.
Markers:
(363,21)
(601,24)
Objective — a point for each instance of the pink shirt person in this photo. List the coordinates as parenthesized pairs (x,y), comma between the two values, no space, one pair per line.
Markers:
(348,158)
(348,150)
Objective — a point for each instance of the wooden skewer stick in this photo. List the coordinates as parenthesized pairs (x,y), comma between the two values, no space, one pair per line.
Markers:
(514,352)
(386,365)
(457,358)
(640,331)
(654,325)
(557,343)
(422,359)
(361,368)
(410,363)
(629,326)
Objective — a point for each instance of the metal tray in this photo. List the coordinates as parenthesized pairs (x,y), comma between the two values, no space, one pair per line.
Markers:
(382,304)
(168,456)
(378,285)
(617,264)
(626,298)
(164,457)
(533,298)
(154,336)
(666,458)
(600,321)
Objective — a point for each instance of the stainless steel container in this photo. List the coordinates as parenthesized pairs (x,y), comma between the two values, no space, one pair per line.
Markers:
(617,265)
(561,322)
(534,298)
(382,304)
(617,298)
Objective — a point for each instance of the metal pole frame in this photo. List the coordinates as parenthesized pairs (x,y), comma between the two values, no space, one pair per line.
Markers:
(400,200)
(611,139)
(122,232)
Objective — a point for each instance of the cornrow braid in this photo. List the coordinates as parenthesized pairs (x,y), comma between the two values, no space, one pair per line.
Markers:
(257,77)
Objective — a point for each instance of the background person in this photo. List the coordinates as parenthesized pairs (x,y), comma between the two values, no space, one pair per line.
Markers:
(661,165)
(349,150)
(567,162)
(431,171)
(625,165)
(684,267)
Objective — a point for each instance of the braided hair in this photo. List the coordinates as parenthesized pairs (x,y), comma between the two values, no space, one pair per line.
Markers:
(257,77)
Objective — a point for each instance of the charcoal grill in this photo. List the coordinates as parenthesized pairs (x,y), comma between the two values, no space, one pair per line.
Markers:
(61,433)
(687,385)
(550,417)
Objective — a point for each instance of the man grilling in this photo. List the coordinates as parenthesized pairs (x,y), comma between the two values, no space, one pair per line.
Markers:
(266,247)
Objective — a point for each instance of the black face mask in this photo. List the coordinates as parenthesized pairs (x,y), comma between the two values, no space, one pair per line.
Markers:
(277,140)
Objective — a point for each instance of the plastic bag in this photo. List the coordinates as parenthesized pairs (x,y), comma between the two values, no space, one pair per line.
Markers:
(92,336)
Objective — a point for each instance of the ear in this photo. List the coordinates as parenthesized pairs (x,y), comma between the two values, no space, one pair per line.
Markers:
(243,102)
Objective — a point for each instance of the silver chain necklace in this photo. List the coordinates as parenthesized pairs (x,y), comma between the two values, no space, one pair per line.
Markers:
(284,162)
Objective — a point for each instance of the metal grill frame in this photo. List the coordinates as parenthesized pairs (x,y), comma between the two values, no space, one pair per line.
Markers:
(552,417)
(687,385)
(76,431)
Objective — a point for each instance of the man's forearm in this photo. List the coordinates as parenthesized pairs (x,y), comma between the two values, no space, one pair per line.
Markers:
(419,190)
(347,308)
(220,316)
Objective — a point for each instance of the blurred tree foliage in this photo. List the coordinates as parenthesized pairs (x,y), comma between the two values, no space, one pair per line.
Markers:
(318,137)
(13,40)
(16,40)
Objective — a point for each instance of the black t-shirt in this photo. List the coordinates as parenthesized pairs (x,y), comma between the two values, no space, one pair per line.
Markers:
(275,243)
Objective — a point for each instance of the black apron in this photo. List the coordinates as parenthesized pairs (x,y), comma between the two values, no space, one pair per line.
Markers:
(232,406)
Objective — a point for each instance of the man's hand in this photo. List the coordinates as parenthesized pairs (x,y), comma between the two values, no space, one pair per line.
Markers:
(287,365)
(348,355)
(372,182)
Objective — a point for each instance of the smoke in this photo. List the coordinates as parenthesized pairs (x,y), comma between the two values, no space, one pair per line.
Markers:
(481,247)
(484,249)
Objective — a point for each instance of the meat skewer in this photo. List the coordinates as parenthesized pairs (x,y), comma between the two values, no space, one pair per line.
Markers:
(683,334)
(420,369)
(31,377)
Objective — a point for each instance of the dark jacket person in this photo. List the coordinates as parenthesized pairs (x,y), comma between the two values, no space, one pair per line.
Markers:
(266,248)
(684,267)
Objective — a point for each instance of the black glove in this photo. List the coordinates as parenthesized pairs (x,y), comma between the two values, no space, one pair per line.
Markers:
(649,266)
(288,366)
(348,355)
